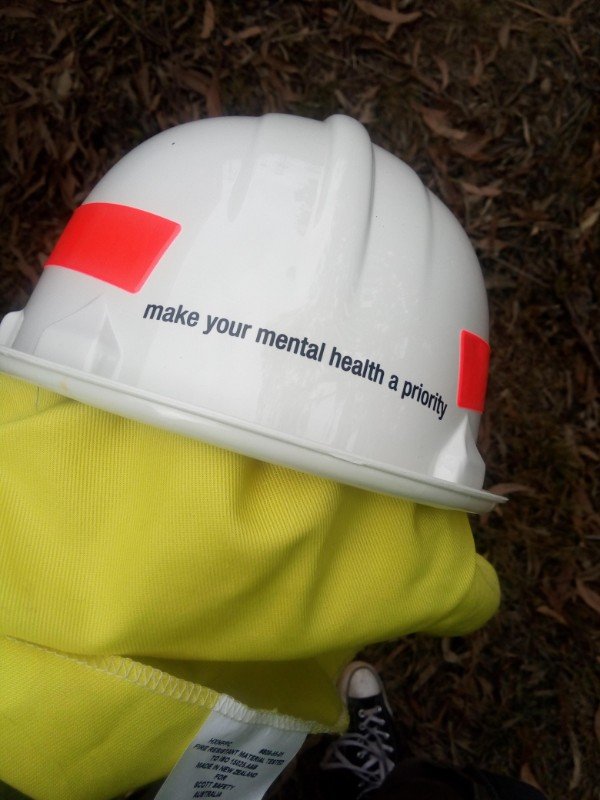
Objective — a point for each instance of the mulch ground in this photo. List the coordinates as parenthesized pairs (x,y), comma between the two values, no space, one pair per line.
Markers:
(494,104)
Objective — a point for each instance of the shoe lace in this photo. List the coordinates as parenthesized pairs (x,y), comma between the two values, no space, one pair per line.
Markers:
(365,754)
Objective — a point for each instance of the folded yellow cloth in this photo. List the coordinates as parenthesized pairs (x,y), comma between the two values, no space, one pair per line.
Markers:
(142,574)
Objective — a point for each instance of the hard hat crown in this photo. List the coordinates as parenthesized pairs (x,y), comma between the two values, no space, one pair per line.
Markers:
(280,287)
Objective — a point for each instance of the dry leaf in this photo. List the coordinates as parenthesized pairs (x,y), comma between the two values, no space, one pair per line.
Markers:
(213,98)
(247,33)
(527,776)
(435,119)
(208,23)
(549,612)
(503,35)
(590,217)
(24,85)
(448,653)
(141,81)
(278,64)
(193,80)
(505,489)
(480,191)
(424,676)
(17,13)
(370,93)
(443,66)
(586,451)
(389,15)
(576,753)
(564,21)
(475,78)
(64,84)
(472,146)
(589,596)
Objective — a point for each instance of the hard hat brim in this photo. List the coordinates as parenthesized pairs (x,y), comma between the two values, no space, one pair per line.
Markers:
(244,437)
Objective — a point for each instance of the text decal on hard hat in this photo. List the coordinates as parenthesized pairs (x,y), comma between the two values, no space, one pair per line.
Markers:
(117,244)
(472,371)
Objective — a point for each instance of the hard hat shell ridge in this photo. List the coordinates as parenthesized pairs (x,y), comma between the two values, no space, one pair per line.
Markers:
(280,287)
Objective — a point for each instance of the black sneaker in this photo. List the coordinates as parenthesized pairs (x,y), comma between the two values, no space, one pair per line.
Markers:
(368,752)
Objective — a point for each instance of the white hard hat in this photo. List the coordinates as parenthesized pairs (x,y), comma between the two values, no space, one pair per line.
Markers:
(279,287)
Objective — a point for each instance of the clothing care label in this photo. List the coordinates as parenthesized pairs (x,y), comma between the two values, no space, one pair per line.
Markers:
(236,754)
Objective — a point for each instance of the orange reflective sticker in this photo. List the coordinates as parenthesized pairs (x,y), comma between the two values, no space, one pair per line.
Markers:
(117,244)
(472,371)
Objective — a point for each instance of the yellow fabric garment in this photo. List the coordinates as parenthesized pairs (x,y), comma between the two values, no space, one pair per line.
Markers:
(127,550)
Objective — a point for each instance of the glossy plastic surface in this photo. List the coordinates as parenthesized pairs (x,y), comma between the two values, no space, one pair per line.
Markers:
(309,311)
